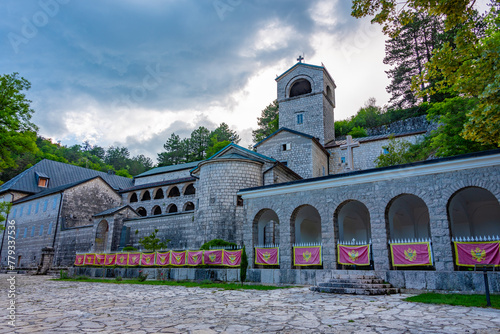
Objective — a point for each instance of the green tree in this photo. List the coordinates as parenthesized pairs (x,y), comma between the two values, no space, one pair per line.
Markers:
(396,152)
(268,122)
(139,164)
(17,133)
(358,132)
(117,157)
(153,243)
(198,143)
(224,133)
(4,211)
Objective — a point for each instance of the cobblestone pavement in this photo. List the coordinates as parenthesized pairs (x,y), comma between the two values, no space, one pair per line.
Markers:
(45,306)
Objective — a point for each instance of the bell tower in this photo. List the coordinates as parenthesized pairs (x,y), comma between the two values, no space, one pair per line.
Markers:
(306,97)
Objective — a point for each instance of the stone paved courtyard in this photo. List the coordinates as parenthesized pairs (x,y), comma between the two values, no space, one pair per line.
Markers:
(45,306)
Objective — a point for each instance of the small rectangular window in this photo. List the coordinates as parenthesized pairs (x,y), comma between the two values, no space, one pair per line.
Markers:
(239,200)
(284,163)
(25,232)
(342,160)
(29,210)
(54,203)
(386,151)
(14,213)
(43,182)
(49,231)
(37,206)
(45,205)
(41,230)
(286,147)
(33,231)
(300,118)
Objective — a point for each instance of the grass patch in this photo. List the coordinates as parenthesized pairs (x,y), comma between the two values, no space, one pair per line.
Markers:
(189,284)
(455,299)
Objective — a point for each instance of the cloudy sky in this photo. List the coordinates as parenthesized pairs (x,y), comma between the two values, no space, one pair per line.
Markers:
(132,72)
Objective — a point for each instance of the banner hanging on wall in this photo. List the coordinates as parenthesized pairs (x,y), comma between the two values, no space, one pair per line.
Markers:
(122,259)
(469,254)
(194,258)
(110,259)
(213,257)
(80,259)
(267,256)
(100,259)
(354,255)
(163,259)
(89,259)
(178,258)
(232,258)
(307,256)
(148,259)
(134,259)
(411,254)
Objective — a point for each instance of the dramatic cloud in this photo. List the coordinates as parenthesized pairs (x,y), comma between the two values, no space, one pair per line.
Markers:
(132,72)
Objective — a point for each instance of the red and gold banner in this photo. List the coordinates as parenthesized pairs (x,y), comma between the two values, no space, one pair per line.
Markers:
(122,259)
(411,254)
(134,259)
(267,256)
(307,256)
(178,258)
(354,255)
(110,259)
(469,254)
(213,257)
(194,258)
(163,259)
(148,259)
(80,260)
(100,259)
(232,258)
(89,259)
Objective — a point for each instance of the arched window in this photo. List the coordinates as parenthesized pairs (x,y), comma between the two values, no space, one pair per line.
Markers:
(146,196)
(407,217)
(159,194)
(101,236)
(172,208)
(266,228)
(300,87)
(156,210)
(189,206)
(142,212)
(133,198)
(305,225)
(190,190)
(329,93)
(352,221)
(174,192)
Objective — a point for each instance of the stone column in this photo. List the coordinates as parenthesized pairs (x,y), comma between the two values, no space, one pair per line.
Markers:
(441,238)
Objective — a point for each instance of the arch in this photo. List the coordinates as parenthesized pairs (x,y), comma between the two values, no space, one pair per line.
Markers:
(407,217)
(189,206)
(190,189)
(156,210)
(174,192)
(172,208)
(352,221)
(300,87)
(473,212)
(265,228)
(101,236)
(133,198)
(141,211)
(158,194)
(329,93)
(146,196)
(305,225)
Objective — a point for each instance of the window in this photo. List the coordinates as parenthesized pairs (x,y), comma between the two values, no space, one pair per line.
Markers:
(323,170)
(342,160)
(300,87)
(386,151)
(54,203)
(37,206)
(300,118)
(14,213)
(29,210)
(286,147)
(25,232)
(285,163)
(49,231)
(33,231)
(45,205)
(41,230)
(43,182)
(239,200)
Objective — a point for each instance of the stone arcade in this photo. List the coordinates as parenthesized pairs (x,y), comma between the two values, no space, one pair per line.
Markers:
(300,185)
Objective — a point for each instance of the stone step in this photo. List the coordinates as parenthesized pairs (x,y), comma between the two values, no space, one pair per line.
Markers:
(361,281)
(356,277)
(354,285)
(356,291)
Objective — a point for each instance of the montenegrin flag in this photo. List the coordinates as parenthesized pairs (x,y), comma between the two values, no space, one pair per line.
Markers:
(80,259)
(194,258)
(89,259)
(470,254)
(357,255)
(163,259)
(100,259)
(307,256)
(213,257)
(110,259)
(122,259)
(232,258)
(148,259)
(411,254)
(134,259)
(267,256)
(178,258)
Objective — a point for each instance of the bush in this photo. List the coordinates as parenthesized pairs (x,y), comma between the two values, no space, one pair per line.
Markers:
(81,278)
(63,274)
(142,277)
(118,279)
(243,266)
(217,243)
(129,249)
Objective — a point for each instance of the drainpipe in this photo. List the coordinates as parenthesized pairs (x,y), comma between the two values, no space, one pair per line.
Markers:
(57,224)
(3,235)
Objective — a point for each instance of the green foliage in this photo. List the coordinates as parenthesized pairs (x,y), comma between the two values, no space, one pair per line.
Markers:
(217,243)
(268,122)
(118,279)
(152,243)
(397,153)
(455,299)
(358,132)
(63,274)
(142,277)
(129,249)
(243,266)
(17,133)
(4,211)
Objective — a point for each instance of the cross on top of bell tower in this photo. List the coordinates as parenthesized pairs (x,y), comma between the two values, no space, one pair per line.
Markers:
(300,59)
